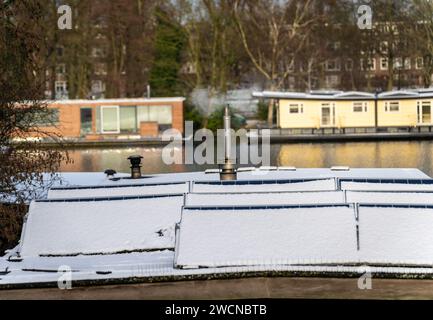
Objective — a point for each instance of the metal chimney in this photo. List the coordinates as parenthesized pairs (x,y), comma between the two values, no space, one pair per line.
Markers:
(228,169)
(135,166)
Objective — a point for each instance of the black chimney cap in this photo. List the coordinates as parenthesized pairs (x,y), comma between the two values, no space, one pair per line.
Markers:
(110,172)
(135,160)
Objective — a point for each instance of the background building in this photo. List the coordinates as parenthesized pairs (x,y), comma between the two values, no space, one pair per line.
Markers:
(114,118)
(344,112)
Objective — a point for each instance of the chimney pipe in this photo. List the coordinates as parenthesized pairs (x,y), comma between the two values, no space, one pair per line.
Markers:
(228,169)
(135,166)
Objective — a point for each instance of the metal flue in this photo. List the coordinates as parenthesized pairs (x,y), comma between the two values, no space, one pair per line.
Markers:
(135,166)
(228,169)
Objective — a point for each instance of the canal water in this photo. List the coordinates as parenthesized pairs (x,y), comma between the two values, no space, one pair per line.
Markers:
(401,154)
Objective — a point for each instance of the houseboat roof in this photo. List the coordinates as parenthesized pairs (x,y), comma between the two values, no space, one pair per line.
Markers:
(116,101)
(192,226)
(349,95)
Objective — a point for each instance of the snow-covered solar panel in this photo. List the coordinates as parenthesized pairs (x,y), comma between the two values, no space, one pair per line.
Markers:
(242,237)
(275,198)
(385,197)
(386,185)
(402,236)
(101,227)
(113,191)
(264,186)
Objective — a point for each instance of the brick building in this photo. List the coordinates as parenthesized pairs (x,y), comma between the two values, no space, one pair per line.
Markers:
(114,118)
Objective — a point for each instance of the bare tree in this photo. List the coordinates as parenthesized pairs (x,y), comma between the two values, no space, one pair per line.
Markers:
(23,163)
(273,33)
(422,37)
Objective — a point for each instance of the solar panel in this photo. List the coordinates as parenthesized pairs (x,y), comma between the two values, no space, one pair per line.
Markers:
(236,237)
(274,198)
(241,186)
(121,190)
(100,227)
(384,197)
(392,235)
(386,185)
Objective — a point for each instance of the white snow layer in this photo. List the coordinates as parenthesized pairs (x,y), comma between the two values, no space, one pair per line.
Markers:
(396,235)
(389,197)
(119,191)
(67,228)
(315,185)
(266,237)
(261,199)
(363,186)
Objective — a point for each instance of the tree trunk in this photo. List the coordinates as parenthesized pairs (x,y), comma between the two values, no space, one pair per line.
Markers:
(271,113)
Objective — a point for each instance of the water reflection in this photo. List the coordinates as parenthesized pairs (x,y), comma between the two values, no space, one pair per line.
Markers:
(315,155)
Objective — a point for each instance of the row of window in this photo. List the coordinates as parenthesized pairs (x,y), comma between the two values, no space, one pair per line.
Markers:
(369,64)
(61,87)
(127,119)
(358,107)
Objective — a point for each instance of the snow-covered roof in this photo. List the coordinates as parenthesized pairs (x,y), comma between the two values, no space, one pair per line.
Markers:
(399,236)
(349,95)
(114,101)
(398,94)
(182,226)
(355,95)
(118,190)
(78,227)
(215,238)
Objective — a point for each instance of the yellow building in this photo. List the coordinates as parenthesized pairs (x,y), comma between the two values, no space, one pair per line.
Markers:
(352,110)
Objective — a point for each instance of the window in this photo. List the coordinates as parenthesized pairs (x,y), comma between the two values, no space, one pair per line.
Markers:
(392,106)
(327,114)
(398,63)
(371,64)
(368,64)
(100,69)
(86,117)
(349,65)
(426,112)
(360,107)
(60,88)
(407,63)
(98,52)
(110,119)
(128,119)
(61,68)
(161,114)
(419,63)
(98,86)
(384,64)
(296,108)
(59,51)
(384,47)
(333,65)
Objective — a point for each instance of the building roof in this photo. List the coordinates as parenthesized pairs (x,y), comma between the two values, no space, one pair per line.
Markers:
(114,101)
(350,95)
(186,226)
